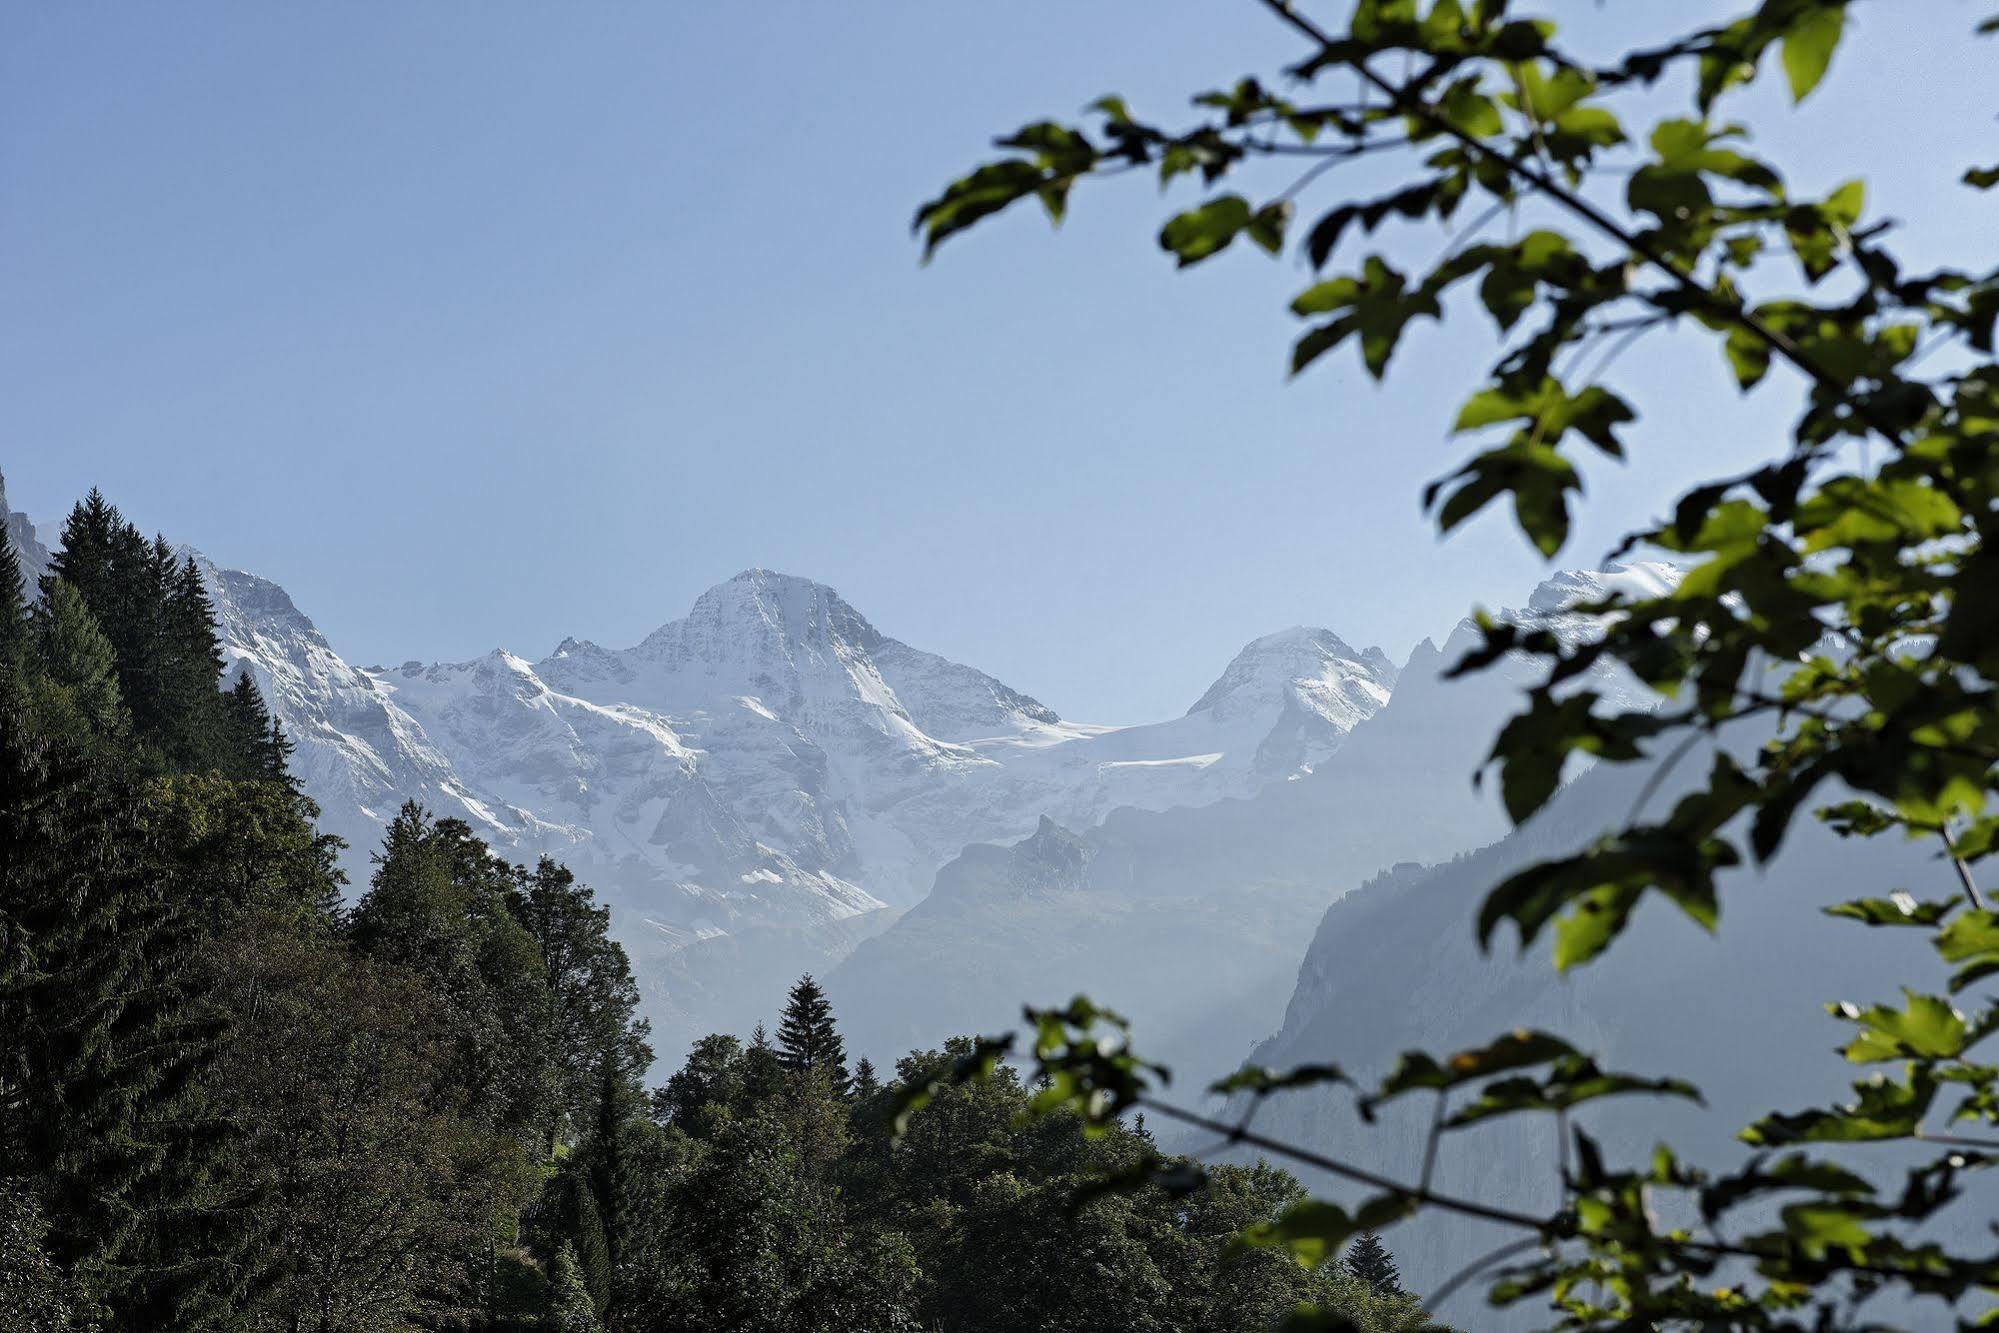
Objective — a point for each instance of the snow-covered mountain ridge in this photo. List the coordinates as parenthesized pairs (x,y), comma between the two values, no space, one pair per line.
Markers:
(771,757)
(773,771)
(773,747)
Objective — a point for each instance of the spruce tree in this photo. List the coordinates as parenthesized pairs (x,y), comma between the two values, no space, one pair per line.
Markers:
(72,653)
(256,748)
(570,1307)
(13,602)
(866,1082)
(156,615)
(807,1040)
(193,724)
(278,750)
(85,553)
(107,1034)
(1369,1260)
(763,1070)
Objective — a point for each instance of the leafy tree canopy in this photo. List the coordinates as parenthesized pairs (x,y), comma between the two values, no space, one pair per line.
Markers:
(1839,602)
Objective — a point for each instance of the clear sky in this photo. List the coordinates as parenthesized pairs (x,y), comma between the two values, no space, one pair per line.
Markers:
(479,325)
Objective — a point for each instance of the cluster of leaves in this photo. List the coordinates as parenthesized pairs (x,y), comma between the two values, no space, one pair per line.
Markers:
(1835,639)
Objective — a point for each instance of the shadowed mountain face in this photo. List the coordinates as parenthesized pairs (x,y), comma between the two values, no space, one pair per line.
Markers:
(1394,967)
(1192,921)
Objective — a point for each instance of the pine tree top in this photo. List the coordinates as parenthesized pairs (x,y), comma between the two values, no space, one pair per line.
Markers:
(1369,1260)
(807,1039)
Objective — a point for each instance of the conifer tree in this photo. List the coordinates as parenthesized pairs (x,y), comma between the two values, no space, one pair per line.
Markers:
(192,721)
(74,655)
(1369,1260)
(257,747)
(807,1040)
(600,1044)
(84,556)
(13,602)
(570,1309)
(278,750)
(866,1082)
(763,1069)
(107,1033)
(155,612)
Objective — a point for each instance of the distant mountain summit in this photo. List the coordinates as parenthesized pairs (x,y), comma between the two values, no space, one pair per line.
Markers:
(770,757)
(1312,668)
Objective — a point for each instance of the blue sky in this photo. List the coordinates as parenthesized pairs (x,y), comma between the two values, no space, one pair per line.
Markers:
(479,326)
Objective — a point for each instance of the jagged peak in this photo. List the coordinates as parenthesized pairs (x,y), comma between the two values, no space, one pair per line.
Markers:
(1269,665)
(1565,588)
(788,607)
(1050,849)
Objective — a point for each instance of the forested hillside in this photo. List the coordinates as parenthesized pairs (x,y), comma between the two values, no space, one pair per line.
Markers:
(230,1102)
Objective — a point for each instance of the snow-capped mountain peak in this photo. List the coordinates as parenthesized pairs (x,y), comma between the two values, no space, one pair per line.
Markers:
(1570,587)
(1314,668)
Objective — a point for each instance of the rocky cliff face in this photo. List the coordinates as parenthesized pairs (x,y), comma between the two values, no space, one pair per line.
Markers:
(1394,966)
(27,543)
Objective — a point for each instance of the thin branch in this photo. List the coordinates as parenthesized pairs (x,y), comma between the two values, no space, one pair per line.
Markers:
(1328,158)
(1436,1137)
(1660,772)
(1347,1171)
(1457,239)
(1633,331)
(1475,1267)
(1336,151)
(1971,893)
(1545,1228)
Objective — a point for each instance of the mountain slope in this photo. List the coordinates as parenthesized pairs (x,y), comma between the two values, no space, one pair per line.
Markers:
(1394,966)
(1193,920)
(767,771)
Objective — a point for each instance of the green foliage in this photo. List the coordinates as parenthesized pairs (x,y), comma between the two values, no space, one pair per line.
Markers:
(807,1038)
(13,602)
(1369,1260)
(100,998)
(979,1214)
(34,1292)
(443,907)
(255,736)
(598,1036)
(376,1189)
(154,614)
(1838,604)
(570,1309)
(75,661)
(224,1103)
